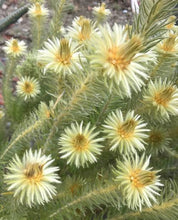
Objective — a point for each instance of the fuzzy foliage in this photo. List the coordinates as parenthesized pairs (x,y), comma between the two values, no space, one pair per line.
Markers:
(99,104)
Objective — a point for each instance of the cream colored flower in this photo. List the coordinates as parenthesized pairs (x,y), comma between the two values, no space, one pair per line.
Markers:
(38,10)
(60,56)
(171,22)
(82,30)
(161,98)
(125,134)
(32,178)
(14,47)
(28,87)
(101,10)
(137,182)
(101,13)
(169,45)
(80,145)
(120,57)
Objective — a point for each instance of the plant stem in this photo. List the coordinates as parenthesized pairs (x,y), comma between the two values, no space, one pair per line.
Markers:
(21,135)
(66,110)
(6,193)
(103,110)
(7,87)
(38,28)
(171,153)
(89,195)
(156,68)
(154,208)
(56,21)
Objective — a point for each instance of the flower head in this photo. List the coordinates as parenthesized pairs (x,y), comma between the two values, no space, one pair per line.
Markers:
(161,98)
(61,56)
(101,13)
(169,45)
(158,140)
(32,178)
(44,111)
(14,47)
(138,183)
(83,30)
(28,87)
(80,145)
(171,22)
(38,10)
(120,58)
(127,134)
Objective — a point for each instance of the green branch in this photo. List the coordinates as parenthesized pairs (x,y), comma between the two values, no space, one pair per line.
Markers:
(158,65)
(104,109)
(22,135)
(67,109)
(7,87)
(56,21)
(90,195)
(171,153)
(155,208)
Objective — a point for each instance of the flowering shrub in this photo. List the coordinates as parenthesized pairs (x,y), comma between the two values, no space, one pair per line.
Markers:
(94,105)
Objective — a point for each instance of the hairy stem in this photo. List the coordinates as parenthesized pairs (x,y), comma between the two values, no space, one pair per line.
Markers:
(21,135)
(38,24)
(7,87)
(156,68)
(56,22)
(157,208)
(6,193)
(171,153)
(103,110)
(74,99)
(89,195)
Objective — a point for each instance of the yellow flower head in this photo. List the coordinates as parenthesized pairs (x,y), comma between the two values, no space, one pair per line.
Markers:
(61,56)
(171,22)
(44,111)
(37,10)
(161,98)
(169,45)
(14,47)
(28,87)
(32,178)
(120,59)
(82,30)
(101,13)
(127,134)
(79,145)
(138,183)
